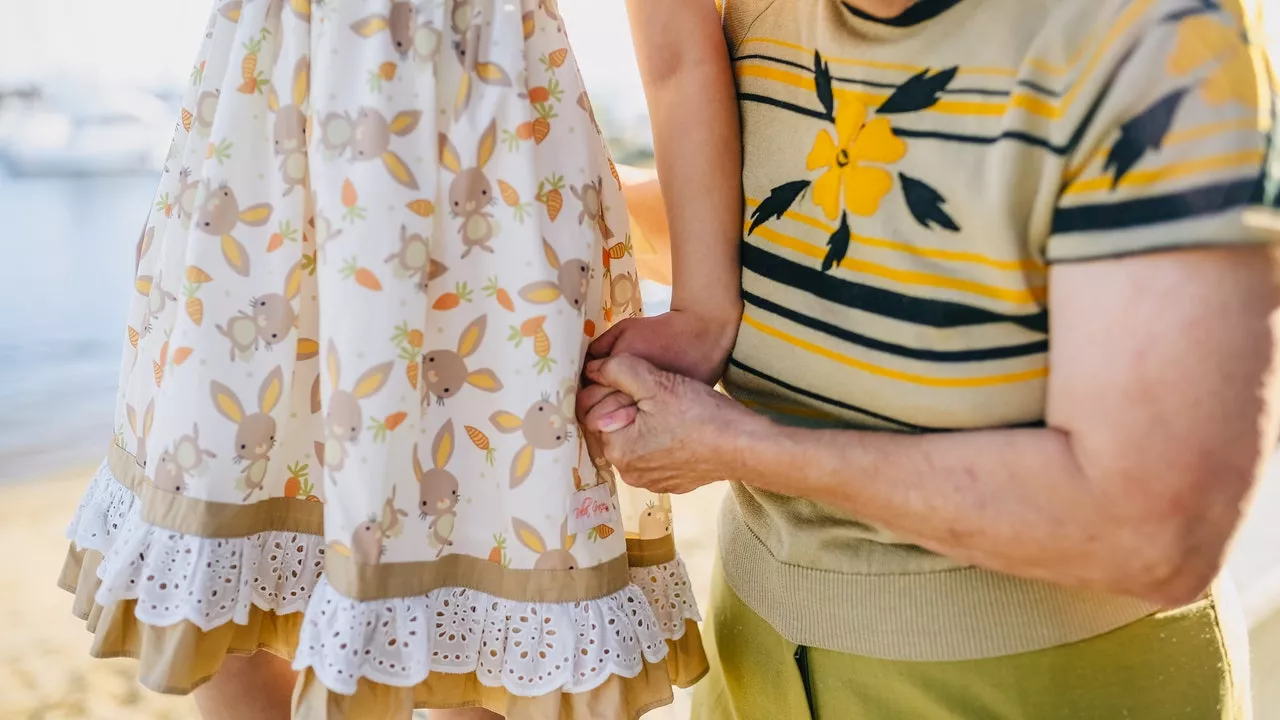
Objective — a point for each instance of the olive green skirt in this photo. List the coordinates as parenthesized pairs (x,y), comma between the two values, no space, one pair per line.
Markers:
(1184,664)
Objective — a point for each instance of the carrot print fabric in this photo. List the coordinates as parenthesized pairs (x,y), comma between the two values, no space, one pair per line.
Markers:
(385,234)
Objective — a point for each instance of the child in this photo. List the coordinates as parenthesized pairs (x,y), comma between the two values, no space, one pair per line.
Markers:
(385,234)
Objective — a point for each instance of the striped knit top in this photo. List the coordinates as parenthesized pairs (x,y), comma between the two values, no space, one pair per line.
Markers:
(908,184)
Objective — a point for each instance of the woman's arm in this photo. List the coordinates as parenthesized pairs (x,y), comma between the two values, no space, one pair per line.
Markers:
(688,83)
(1161,413)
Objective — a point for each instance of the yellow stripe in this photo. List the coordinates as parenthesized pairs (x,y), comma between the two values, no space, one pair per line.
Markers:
(1196,132)
(1022,99)
(1031,296)
(913,378)
(932,253)
(1252,159)
(793,410)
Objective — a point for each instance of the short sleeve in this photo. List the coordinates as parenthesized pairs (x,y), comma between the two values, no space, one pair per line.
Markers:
(1180,151)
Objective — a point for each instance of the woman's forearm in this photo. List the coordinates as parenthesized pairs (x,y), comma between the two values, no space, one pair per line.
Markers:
(693,109)
(1013,501)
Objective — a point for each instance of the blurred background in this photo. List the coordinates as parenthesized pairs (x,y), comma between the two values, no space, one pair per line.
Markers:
(89,92)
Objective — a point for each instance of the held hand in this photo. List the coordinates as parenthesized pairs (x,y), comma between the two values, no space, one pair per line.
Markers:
(680,341)
(664,432)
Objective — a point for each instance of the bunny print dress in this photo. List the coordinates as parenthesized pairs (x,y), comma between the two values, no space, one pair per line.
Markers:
(385,234)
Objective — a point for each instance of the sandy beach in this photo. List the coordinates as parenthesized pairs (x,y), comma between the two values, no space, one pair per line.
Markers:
(45,670)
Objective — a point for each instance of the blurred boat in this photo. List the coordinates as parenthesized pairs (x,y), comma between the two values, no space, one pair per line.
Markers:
(87,130)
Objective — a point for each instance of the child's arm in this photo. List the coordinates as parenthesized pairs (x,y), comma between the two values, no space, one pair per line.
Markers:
(688,82)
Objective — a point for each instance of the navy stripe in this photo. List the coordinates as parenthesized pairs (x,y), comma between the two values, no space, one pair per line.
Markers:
(886,303)
(826,400)
(808,69)
(918,12)
(945,356)
(1127,214)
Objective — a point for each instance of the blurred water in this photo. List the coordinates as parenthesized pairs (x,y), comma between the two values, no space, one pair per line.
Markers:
(64,288)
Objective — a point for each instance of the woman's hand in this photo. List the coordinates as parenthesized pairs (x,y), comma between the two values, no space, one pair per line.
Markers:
(663,432)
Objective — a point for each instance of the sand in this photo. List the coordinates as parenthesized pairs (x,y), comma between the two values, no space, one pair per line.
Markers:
(45,670)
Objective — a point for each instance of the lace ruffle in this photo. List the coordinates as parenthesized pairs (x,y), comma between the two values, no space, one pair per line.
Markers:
(666,587)
(103,510)
(529,649)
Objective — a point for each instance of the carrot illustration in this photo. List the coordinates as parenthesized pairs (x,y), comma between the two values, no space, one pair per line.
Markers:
(158,370)
(187,119)
(194,305)
(539,94)
(542,123)
(532,328)
(353,211)
(509,194)
(450,300)
(613,170)
(181,354)
(421,207)
(299,483)
(589,328)
(387,70)
(555,59)
(363,276)
(133,337)
(286,232)
(523,132)
(551,196)
(411,372)
(380,428)
(599,532)
(410,344)
(481,442)
(501,295)
(220,152)
(197,73)
(196,275)
(498,554)
(254,81)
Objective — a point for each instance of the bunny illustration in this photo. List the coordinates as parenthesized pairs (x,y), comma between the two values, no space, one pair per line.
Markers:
(141,431)
(391,523)
(344,420)
(367,542)
(157,299)
(471,192)
(571,282)
(186,458)
(290,128)
(545,427)
(591,196)
(186,194)
(624,295)
(206,108)
(445,371)
(220,213)
(256,432)
(438,488)
(231,10)
(367,136)
(408,36)
(467,48)
(144,244)
(548,558)
(655,522)
(271,321)
(413,259)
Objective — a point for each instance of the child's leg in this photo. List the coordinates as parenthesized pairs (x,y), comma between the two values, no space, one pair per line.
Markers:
(257,687)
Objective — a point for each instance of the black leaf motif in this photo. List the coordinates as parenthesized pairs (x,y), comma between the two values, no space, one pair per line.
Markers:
(837,244)
(920,92)
(925,204)
(1141,134)
(822,83)
(779,201)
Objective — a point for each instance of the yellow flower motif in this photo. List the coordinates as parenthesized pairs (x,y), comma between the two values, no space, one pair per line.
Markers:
(1240,75)
(855,142)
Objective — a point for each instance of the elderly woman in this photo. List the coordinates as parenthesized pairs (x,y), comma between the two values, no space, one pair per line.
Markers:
(1003,378)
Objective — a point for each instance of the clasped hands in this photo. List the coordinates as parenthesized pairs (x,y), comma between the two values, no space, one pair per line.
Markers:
(648,401)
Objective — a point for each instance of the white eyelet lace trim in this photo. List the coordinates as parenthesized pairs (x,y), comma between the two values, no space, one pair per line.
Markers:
(530,649)
(666,587)
(176,577)
(102,513)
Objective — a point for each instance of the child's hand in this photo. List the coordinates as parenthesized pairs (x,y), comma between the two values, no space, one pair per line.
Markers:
(680,341)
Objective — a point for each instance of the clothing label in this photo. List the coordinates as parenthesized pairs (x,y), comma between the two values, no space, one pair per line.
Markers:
(591,507)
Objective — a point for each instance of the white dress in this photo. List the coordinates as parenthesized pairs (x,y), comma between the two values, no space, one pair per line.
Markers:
(385,234)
